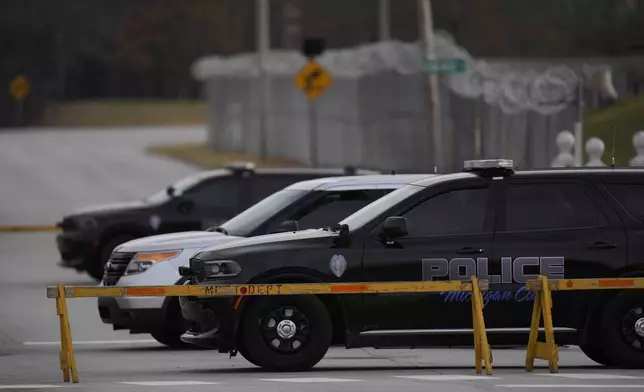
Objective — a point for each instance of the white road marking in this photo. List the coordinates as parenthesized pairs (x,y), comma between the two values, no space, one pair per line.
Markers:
(93,342)
(309,379)
(167,383)
(29,386)
(449,377)
(597,376)
(569,386)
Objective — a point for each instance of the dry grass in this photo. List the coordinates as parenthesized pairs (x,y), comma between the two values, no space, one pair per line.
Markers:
(198,154)
(122,113)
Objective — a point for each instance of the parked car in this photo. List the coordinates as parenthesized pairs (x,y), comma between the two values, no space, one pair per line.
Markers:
(194,203)
(504,226)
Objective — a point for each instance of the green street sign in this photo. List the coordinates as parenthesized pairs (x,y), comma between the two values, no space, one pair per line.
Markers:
(436,66)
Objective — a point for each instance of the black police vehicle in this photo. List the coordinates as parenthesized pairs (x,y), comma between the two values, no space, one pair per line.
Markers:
(196,202)
(489,221)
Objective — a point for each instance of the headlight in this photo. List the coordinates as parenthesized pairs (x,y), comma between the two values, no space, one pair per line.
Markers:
(214,269)
(144,260)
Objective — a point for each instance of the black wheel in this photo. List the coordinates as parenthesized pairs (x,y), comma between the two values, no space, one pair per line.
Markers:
(622,327)
(286,334)
(244,353)
(595,352)
(169,333)
(96,269)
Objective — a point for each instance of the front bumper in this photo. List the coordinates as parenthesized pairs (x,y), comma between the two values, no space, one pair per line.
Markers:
(215,318)
(135,320)
(76,250)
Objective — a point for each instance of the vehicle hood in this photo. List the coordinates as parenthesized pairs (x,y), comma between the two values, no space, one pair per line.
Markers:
(183,240)
(266,242)
(111,208)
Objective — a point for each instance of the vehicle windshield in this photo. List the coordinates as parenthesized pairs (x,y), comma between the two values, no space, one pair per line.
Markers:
(373,210)
(183,185)
(246,222)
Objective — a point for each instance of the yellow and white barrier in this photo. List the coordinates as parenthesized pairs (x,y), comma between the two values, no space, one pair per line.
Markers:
(482,351)
(543,307)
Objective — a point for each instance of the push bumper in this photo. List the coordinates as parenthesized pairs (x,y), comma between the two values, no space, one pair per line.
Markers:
(75,250)
(135,320)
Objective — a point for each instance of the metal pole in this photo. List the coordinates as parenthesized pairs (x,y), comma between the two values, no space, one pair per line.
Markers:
(313,133)
(434,94)
(578,128)
(263,46)
(384,33)
(19,112)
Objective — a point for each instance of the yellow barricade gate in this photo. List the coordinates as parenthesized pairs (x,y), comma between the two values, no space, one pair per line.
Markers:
(542,307)
(482,351)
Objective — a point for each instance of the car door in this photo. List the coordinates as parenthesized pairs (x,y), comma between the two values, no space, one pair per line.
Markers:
(561,228)
(450,227)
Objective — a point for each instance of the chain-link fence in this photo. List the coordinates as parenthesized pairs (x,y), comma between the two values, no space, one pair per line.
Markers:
(375,113)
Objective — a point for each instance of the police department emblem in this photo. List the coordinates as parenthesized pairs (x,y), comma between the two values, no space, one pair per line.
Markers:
(338,265)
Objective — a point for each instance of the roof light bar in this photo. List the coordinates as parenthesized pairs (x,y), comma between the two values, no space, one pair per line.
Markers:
(482,164)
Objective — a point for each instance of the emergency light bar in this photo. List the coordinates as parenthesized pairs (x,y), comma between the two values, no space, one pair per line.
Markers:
(240,166)
(490,166)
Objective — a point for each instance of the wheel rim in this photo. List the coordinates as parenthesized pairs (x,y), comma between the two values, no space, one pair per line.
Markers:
(285,330)
(632,328)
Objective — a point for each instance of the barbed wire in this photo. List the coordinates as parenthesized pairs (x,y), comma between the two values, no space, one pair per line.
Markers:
(513,87)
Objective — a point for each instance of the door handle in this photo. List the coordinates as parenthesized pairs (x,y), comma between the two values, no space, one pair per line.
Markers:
(468,250)
(602,245)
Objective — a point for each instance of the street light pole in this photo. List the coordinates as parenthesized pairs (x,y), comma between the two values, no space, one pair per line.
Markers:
(432,80)
(384,21)
(262,27)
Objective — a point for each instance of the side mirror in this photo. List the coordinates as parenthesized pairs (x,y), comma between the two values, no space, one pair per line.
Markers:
(286,226)
(395,227)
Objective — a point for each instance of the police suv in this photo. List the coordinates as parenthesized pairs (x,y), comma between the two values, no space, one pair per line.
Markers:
(154,260)
(489,221)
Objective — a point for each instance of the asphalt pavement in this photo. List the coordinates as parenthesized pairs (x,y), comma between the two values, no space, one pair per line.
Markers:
(48,173)
(115,360)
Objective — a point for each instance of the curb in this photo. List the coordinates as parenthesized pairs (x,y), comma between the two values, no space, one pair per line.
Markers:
(29,228)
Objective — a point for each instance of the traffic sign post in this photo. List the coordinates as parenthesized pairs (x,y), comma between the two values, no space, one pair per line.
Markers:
(444,66)
(19,89)
(313,79)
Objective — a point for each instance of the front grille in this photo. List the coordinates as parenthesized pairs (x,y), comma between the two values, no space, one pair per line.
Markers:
(115,267)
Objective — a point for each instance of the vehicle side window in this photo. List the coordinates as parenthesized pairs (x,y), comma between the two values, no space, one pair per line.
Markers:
(218,192)
(548,206)
(454,212)
(334,207)
(631,198)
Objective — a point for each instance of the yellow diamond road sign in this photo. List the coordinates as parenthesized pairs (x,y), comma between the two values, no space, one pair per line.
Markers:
(313,79)
(19,88)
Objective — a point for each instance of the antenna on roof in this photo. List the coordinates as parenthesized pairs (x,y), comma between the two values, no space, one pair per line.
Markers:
(612,155)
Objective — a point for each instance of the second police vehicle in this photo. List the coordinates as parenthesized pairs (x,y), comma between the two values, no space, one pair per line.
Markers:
(155,260)
(489,221)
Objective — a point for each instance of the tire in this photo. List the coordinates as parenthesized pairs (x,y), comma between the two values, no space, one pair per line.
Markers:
(623,346)
(96,269)
(596,353)
(169,333)
(265,348)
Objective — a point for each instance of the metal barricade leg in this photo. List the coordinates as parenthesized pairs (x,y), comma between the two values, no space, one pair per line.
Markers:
(67,359)
(482,351)
(539,350)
